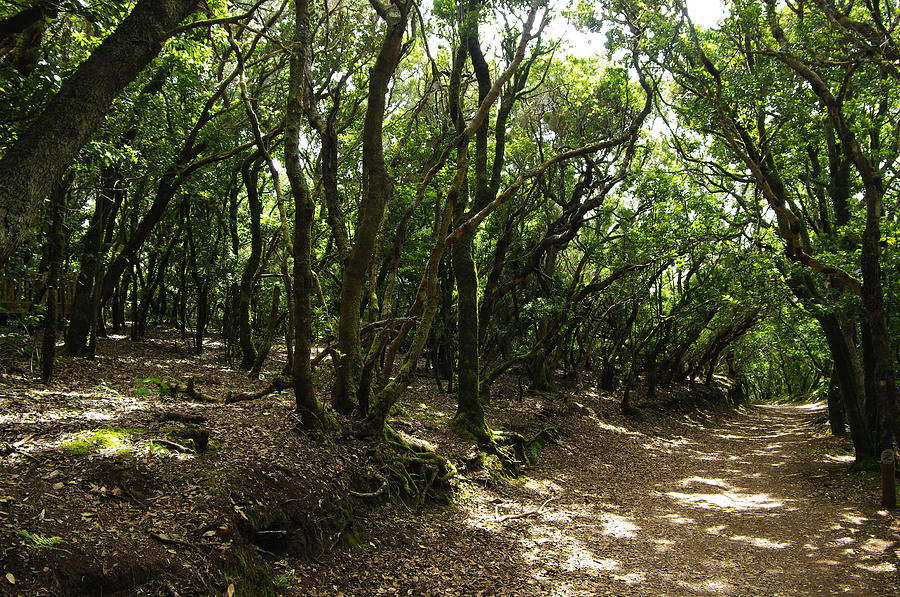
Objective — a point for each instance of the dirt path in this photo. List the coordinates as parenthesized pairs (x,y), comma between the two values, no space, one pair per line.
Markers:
(755,502)
(741,503)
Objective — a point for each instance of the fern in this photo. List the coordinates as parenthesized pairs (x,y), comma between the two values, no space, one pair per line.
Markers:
(39,542)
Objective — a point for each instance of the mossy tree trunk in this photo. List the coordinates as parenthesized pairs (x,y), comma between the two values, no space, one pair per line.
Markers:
(48,146)
(470,413)
(307,404)
(377,190)
(250,176)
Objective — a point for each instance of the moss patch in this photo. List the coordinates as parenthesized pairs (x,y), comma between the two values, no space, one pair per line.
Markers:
(251,575)
(111,439)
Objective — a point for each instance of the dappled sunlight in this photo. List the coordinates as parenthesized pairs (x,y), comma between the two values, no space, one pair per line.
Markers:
(853,519)
(874,545)
(78,406)
(632,578)
(704,481)
(727,500)
(616,429)
(761,542)
(709,587)
(717,518)
(847,459)
(542,486)
(705,497)
(668,444)
(882,568)
(678,519)
(582,560)
(619,527)
(807,407)
(663,545)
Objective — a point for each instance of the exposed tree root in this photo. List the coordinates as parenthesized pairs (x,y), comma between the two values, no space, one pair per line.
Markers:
(411,469)
(533,512)
(177,387)
(507,449)
(372,494)
(278,384)
(174,388)
(173,445)
(512,451)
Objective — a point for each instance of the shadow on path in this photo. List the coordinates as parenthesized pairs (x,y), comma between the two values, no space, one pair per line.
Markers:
(735,506)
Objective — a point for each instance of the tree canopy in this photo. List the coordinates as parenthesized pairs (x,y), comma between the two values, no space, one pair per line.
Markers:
(380,183)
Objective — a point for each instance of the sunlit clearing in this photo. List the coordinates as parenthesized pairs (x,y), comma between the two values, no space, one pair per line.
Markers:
(618,526)
(716,530)
(727,500)
(760,542)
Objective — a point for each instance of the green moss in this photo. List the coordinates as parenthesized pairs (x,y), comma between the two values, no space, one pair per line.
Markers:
(251,576)
(398,410)
(97,440)
(495,468)
(354,542)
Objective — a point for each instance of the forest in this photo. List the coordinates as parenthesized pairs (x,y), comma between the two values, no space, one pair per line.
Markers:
(374,255)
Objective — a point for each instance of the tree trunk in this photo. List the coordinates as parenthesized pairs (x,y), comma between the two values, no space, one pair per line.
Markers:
(249,175)
(426,303)
(307,404)
(81,318)
(835,406)
(272,326)
(55,240)
(849,376)
(47,148)
(377,192)
(469,410)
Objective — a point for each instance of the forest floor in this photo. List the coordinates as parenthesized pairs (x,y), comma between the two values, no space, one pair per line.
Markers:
(688,498)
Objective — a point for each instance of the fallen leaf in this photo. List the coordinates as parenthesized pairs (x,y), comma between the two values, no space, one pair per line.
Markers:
(58,485)
(10,578)
(230,591)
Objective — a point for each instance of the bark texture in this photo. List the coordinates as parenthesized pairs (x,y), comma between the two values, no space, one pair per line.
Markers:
(378,190)
(46,149)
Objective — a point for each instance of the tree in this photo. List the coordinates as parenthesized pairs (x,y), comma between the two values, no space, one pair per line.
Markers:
(45,150)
